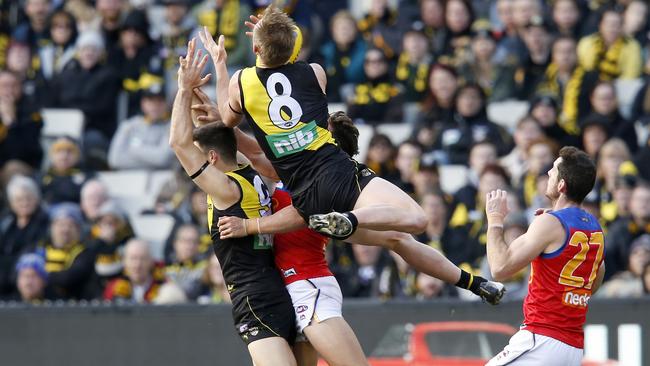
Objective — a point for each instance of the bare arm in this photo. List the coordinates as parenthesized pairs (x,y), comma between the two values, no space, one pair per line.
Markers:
(212,181)
(506,260)
(286,220)
(320,75)
(248,146)
(227,91)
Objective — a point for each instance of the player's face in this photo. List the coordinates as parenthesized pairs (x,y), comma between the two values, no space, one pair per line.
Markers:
(552,191)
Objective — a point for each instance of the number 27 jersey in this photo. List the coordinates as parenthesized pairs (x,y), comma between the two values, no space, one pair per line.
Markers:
(561,282)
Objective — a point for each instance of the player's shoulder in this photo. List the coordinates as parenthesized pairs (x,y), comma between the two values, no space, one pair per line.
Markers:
(546,225)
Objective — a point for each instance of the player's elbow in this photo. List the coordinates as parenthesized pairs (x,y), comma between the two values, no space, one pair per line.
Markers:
(500,273)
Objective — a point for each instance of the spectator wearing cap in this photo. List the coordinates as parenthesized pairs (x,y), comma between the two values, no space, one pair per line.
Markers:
(609,51)
(527,71)
(68,261)
(55,55)
(20,126)
(545,110)
(189,264)
(343,56)
(479,67)
(32,279)
(379,99)
(604,104)
(175,32)
(380,28)
(629,283)
(141,65)
(24,225)
(227,18)
(622,233)
(34,31)
(63,179)
(142,142)
(470,124)
(526,132)
(110,232)
(141,279)
(95,94)
(413,65)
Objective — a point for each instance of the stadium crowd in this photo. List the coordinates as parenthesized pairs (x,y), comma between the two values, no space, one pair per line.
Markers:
(434,65)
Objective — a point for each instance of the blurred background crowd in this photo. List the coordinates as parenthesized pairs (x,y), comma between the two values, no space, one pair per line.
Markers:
(454,98)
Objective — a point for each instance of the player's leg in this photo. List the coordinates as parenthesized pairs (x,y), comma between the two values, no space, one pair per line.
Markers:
(430,261)
(271,351)
(380,206)
(336,342)
(305,354)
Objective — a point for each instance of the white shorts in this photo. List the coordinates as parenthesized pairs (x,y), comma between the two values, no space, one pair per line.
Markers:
(316,298)
(528,349)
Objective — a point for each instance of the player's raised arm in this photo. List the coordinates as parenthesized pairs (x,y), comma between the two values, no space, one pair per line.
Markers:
(181,136)
(228,99)
(506,260)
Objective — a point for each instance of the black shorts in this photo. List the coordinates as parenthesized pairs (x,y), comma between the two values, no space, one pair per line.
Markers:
(337,189)
(264,315)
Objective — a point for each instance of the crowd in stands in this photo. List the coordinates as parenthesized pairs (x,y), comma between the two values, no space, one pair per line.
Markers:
(433,65)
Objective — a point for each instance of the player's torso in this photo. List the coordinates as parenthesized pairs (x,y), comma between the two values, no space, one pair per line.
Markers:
(299,254)
(561,282)
(247,262)
(287,111)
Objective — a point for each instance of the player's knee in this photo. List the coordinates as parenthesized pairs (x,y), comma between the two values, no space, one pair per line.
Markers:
(395,239)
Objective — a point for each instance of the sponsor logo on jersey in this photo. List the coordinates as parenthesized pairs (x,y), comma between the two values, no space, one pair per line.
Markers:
(283,144)
(301,308)
(578,298)
(289,272)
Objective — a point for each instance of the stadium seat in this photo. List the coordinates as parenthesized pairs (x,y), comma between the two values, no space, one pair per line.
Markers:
(155,229)
(365,134)
(626,91)
(507,113)
(156,181)
(452,177)
(123,183)
(397,132)
(335,107)
(411,112)
(62,122)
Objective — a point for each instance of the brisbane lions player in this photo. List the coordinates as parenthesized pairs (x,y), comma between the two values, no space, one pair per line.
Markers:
(566,249)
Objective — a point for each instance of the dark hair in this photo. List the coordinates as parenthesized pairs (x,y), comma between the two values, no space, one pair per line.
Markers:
(578,172)
(344,132)
(216,136)
(496,169)
(470,12)
(431,100)
(72,22)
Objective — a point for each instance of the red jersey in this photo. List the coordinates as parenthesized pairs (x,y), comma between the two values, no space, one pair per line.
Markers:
(561,282)
(299,255)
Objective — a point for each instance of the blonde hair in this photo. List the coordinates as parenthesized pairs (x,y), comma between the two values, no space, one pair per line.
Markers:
(275,37)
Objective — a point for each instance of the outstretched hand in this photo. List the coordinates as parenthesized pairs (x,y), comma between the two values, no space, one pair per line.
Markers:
(496,206)
(207,111)
(191,67)
(216,50)
(251,25)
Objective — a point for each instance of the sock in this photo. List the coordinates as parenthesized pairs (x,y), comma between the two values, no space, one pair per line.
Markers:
(470,282)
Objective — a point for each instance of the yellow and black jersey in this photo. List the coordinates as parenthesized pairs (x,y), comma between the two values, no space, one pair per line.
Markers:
(287,111)
(247,262)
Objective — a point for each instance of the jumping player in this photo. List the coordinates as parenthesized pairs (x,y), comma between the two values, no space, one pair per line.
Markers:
(565,247)
(262,309)
(285,104)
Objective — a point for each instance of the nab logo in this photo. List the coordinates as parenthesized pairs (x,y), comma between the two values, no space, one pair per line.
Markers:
(576,300)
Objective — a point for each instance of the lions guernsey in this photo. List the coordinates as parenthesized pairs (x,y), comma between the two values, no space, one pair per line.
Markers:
(287,111)
(247,262)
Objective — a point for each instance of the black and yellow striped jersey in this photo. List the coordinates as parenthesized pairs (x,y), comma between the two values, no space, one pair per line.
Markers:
(287,111)
(247,263)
